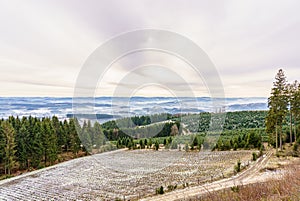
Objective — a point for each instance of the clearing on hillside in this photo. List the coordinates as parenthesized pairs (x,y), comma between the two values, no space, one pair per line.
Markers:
(121,174)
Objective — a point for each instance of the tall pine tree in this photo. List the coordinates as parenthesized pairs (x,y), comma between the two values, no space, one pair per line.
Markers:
(9,148)
(75,142)
(295,105)
(23,147)
(277,104)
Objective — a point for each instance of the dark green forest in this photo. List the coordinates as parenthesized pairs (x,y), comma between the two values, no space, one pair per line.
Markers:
(31,143)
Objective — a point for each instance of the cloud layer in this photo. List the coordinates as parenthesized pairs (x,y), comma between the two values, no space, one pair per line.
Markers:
(43,45)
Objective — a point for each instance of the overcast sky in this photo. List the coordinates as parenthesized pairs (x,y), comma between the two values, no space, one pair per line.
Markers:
(44,44)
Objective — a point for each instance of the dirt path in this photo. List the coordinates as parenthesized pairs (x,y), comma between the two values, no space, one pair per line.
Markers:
(245,177)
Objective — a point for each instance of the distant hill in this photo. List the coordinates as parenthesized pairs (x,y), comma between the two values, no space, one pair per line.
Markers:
(108,108)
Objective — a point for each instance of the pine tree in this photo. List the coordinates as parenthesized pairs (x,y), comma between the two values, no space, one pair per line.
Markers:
(36,146)
(49,140)
(65,127)
(85,136)
(61,139)
(9,149)
(291,90)
(295,105)
(99,138)
(75,142)
(2,143)
(23,142)
(277,104)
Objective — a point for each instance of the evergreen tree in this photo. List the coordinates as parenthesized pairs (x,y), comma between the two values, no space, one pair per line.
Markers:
(295,105)
(290,90)
(75,142)
(23,140)
(2,143)
(86,136)
(98,138)
(9,148)
(49,140)
(58,132)
(36,145)
(66,132)
(277,104)
(149,144)
(156,145)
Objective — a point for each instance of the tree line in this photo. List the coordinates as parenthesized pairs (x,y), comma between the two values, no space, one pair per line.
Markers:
(113,131)
(30,142)
(233,120)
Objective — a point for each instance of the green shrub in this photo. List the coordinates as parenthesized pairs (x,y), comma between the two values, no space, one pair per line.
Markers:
(295,148)
(160,190)
(235,189)
(254,156)
(171,187)
(237,167)
(186,147)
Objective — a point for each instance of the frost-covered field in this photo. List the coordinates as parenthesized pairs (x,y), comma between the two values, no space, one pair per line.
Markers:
(120,174)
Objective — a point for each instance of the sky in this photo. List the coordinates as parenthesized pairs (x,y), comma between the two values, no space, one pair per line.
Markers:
(45,44)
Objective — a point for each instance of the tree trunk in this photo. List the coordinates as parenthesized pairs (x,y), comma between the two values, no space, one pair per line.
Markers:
(291,128)
(45,159)
(276,138)
(27,163)
(295,127)
(280,138)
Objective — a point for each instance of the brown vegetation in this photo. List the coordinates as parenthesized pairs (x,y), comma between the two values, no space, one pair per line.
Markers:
(287,188)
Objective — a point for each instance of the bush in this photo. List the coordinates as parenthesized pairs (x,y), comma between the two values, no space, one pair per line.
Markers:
(156,145)
(235,146)
(261,150)
(235,189)
(171,187)
(237,167)
(254,156)
(160,190)
(295,148)
(186,147)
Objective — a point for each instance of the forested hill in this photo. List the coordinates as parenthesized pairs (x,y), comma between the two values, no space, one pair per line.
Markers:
(144,126)
(31,142)
(233,120)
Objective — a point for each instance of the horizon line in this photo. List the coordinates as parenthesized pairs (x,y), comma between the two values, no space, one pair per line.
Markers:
(130,97)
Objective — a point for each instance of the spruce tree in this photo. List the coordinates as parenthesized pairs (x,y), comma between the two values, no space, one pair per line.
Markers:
(295,105)
(49,140)
(277,104)
(75,142)
(2,144)
(289,94)
(61,141)
(23,142)
(9,148)
(36,145)
(99,137)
